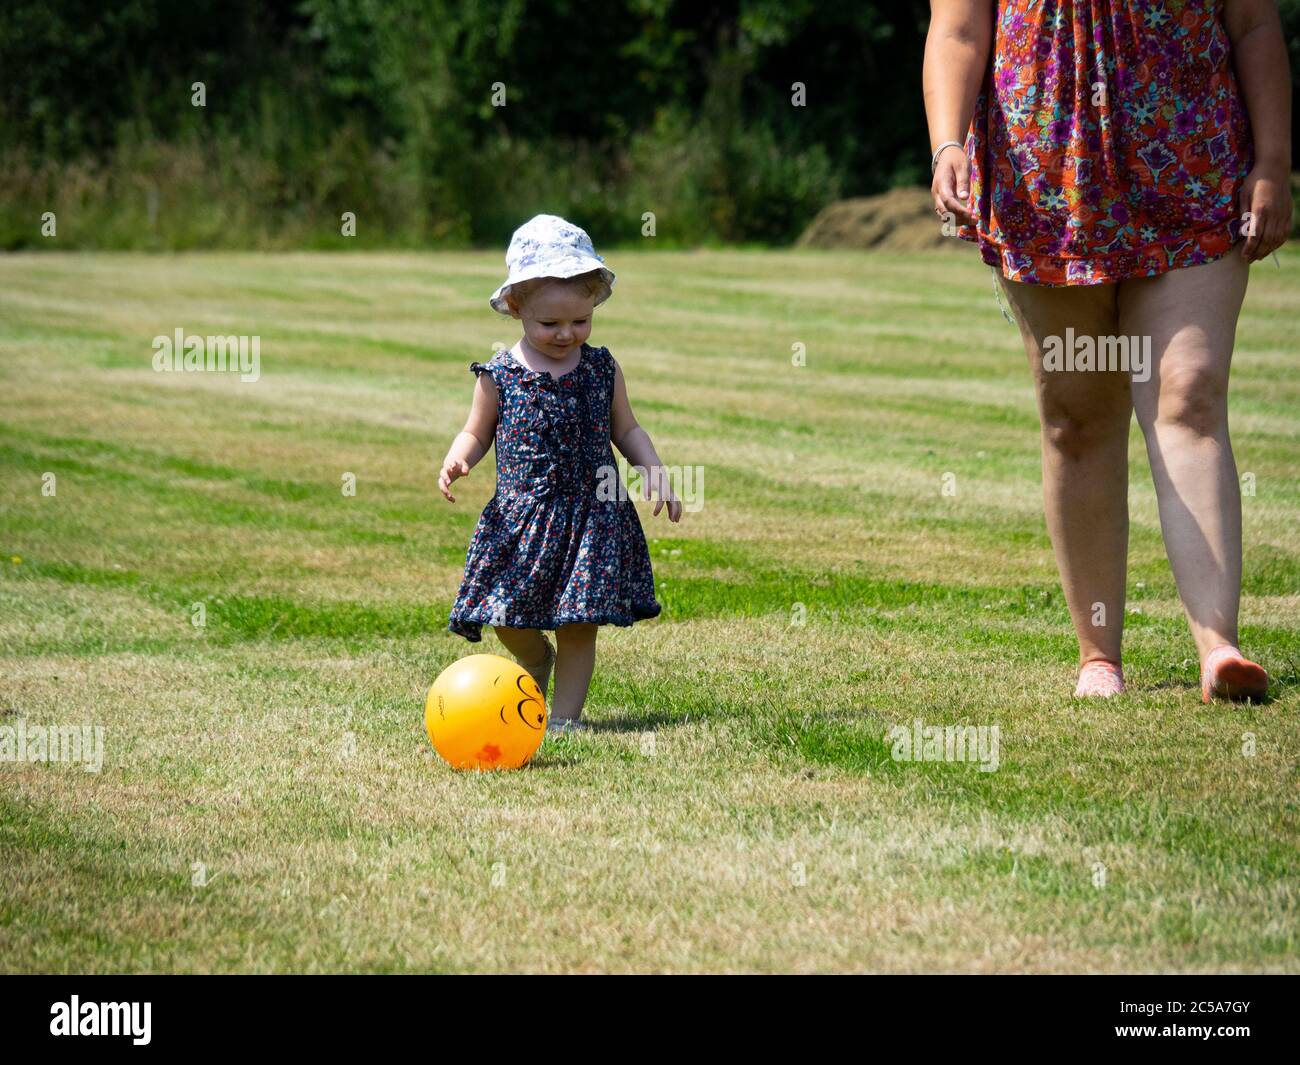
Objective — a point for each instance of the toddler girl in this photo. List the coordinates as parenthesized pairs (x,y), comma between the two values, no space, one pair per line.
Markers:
(555,548)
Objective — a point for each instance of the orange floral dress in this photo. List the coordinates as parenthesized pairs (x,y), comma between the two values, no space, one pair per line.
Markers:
(1109,140)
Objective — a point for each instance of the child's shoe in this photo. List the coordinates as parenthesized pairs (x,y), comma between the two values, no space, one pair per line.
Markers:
(565,726)
(1100,677)
(1227,674)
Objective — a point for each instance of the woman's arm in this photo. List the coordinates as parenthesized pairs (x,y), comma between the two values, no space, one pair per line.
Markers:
(472,442)
(956,58)
(637,447)
(1264,74)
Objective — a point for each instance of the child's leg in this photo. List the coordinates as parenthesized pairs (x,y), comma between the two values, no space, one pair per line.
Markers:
(531,650)
(574,662)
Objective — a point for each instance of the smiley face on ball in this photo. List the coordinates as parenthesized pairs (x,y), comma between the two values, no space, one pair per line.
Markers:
(528,704)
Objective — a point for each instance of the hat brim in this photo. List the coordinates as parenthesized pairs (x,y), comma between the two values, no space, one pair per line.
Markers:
(570,267)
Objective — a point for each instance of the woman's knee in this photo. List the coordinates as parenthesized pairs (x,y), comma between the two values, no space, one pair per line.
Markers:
(1193,400)
(1074,429)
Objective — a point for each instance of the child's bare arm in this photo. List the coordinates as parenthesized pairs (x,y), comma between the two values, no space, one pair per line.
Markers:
(637,447)
(472,442)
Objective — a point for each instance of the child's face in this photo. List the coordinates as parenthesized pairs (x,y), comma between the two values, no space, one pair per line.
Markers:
(556,319)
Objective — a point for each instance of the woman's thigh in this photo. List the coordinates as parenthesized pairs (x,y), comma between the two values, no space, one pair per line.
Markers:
(1188,318)
(1059,319)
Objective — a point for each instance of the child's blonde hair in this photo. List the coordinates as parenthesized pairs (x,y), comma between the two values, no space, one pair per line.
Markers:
(592,284)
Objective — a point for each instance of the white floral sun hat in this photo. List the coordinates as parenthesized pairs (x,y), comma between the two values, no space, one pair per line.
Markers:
(548,246)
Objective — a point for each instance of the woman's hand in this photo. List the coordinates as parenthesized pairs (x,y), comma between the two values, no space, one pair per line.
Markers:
(951,185)
(451,469)
(1259,56)
(957,49)
(1266,199)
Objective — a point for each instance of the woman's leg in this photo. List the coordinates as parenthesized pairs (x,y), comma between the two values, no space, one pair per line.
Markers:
(574,663)
(1190,316)
(1084,417)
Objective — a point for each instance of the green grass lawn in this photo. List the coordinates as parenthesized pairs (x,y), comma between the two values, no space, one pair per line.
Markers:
(269,801)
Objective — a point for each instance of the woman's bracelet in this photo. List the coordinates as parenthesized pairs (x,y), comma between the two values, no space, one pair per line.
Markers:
(934,159)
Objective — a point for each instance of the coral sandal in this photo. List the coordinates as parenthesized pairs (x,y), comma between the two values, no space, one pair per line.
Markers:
(1227,674)
(1100,677)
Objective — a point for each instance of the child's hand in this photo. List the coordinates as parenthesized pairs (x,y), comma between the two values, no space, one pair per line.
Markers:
(451,469)
(663,488)
(674,508)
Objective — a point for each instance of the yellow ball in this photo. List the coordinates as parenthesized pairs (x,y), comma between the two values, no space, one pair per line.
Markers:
(485,712)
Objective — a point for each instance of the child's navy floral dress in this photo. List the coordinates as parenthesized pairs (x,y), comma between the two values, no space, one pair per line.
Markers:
(554,546)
